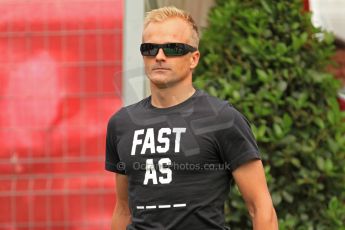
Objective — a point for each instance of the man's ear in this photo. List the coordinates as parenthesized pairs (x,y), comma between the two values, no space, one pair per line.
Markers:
(195,59)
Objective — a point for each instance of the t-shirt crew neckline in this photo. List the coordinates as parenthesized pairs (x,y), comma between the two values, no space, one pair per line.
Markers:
(174,107)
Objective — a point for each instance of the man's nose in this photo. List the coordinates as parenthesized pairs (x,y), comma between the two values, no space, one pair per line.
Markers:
(160,55)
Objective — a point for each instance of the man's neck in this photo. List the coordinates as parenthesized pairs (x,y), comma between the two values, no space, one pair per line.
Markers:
(167,97)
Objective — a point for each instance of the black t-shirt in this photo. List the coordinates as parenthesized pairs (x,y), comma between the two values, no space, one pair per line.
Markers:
(178,160)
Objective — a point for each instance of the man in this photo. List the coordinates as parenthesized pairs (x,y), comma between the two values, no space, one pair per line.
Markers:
(176,152)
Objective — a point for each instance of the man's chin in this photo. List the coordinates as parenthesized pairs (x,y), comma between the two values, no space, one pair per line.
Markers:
(161,85)
(160,80)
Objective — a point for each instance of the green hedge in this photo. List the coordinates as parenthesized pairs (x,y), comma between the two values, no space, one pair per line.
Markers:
(266,58)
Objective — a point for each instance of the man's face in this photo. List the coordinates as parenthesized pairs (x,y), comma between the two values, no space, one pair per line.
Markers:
(165,71)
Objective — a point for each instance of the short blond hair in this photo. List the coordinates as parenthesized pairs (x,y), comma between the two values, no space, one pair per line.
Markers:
(162,14)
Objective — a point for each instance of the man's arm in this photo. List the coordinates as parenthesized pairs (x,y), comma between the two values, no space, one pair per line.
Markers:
(251,181)
(121,216)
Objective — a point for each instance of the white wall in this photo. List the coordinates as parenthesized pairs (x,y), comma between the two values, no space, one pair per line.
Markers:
(330,15)
(133,68)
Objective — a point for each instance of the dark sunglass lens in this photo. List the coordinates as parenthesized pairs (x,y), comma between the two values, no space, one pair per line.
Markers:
(169,49)
(153,51)
(173,49)
(148,49)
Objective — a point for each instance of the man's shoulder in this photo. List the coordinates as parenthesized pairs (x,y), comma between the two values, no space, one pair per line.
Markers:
(214,103)
(137,107)
(222,110)
(124,112)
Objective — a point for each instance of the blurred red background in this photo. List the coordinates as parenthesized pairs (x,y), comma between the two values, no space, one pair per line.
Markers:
(57,90)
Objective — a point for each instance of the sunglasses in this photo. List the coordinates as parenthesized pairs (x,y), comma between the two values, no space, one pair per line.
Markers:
(169,49)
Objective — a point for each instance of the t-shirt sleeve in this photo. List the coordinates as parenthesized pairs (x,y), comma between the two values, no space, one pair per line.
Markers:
(236,141)
(112,160)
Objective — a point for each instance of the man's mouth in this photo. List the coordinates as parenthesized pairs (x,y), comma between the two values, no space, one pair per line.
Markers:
(160,69)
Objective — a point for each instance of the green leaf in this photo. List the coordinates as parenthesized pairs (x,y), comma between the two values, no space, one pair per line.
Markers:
(287,121)
(296,162)
(263,76)
(287,196)
(266,6)
(282,85)
(320,162)
(277,130)
(276,198)
(319,122)
(329,166)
